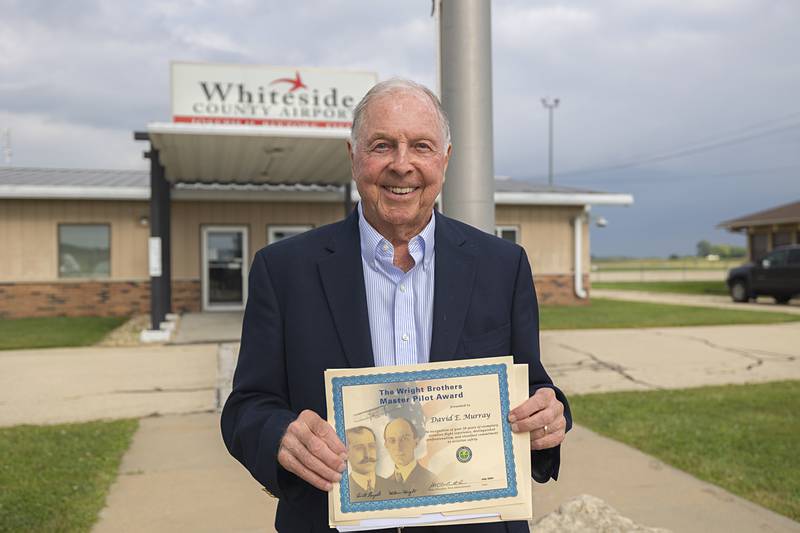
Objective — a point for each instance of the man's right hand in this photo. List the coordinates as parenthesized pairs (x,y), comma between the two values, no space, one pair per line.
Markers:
(311,450)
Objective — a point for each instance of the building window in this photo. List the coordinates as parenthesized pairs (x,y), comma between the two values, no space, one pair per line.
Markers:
(782,238)
(84,250)
(278,233)
(509,233)
(759,246)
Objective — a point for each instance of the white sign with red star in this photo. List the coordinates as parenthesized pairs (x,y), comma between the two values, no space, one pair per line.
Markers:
(263,95)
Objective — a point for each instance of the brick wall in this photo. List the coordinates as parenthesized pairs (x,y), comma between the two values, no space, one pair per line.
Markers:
(120,298)
(186,296)
(557,289)
(90,298)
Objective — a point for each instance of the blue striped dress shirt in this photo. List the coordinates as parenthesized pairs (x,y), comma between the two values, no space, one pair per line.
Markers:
(400,304)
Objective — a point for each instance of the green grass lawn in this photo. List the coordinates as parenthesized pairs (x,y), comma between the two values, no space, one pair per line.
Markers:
(23,333)
(740,437)
(715,288)
(684,263)
(55,478)
(603,313)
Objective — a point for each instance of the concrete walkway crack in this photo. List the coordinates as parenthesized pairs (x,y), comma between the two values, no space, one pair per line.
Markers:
(599,363)
(163,389)
(154,390)
(758,357)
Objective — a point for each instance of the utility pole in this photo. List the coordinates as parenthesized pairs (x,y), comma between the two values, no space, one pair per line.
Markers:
(465,82)
(550,105)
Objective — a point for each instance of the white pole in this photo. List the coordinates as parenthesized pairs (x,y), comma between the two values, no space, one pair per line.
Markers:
(580,292)
(466,89)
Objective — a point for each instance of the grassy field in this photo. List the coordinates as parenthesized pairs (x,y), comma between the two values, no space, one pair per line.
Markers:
(603,313)
(684,263)
(24,333)
(55,478)
(740,437)
(715,288)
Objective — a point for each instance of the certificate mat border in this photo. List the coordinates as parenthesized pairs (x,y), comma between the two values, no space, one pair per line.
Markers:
(414,375)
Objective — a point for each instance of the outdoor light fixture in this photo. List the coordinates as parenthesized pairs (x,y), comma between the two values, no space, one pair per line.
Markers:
(144,221)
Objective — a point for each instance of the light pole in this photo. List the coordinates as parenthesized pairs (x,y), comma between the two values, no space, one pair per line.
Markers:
(550,107)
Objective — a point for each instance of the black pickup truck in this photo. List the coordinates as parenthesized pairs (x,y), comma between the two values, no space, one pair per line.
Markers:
(777,275)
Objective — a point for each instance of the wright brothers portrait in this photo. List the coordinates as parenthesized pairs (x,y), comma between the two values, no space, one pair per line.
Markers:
(403,475)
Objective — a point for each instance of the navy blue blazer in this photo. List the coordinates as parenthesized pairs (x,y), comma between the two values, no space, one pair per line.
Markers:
(307,312)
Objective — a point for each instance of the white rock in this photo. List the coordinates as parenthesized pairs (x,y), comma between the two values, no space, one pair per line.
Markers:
(587,514)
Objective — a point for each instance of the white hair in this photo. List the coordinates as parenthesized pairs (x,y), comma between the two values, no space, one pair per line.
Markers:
(395,85)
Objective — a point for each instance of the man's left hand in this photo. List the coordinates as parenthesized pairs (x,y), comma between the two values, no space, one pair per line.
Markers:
(543,416)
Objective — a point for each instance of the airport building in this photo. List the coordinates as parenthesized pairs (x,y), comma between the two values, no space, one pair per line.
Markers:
(252,155)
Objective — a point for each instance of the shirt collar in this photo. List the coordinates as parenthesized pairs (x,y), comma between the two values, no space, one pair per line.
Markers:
(405,471)
(364,481)
(371,240)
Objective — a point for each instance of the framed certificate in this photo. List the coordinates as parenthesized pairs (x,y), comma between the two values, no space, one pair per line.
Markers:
(429,439)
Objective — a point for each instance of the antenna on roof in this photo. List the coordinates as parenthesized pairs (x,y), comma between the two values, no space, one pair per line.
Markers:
(7,146)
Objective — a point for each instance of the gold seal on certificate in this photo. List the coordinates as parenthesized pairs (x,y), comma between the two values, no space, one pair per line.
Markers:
(429,444)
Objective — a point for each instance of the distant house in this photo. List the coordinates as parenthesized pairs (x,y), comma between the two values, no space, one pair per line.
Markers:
(767,229)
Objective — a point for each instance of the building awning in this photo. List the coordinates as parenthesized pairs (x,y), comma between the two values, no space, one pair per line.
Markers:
(101,184)
(221,153)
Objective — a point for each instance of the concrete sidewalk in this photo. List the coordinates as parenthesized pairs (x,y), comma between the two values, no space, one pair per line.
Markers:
(604,360)
(763,303)
(177,476)
(77,384)
(208,327)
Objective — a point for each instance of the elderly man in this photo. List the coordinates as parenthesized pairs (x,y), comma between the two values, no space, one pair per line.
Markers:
(393,283)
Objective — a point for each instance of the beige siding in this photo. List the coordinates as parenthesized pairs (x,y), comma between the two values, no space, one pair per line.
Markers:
(189,217)
(29,232)
(29,229)
(29,236)
(547,236)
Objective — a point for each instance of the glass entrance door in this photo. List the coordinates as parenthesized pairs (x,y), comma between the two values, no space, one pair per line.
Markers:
(224,267)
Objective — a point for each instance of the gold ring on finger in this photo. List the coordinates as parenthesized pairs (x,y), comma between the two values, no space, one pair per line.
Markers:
(545,429)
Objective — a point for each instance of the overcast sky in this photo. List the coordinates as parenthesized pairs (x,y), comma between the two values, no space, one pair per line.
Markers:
(691,106)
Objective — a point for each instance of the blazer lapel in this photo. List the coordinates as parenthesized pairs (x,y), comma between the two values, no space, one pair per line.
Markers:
(343,282)
(453,280)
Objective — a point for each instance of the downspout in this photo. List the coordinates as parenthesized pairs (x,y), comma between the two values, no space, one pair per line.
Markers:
(577,222)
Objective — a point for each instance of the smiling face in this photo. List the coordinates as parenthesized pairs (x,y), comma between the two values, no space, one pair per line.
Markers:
(399,163)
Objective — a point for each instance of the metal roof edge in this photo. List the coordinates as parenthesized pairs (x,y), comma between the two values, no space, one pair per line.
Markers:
(734,225)
(74,192)
(561,198)
(143,193)
(753,218)
(257,196)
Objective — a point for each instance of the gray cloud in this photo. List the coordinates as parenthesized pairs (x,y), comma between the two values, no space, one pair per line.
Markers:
(635,79)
